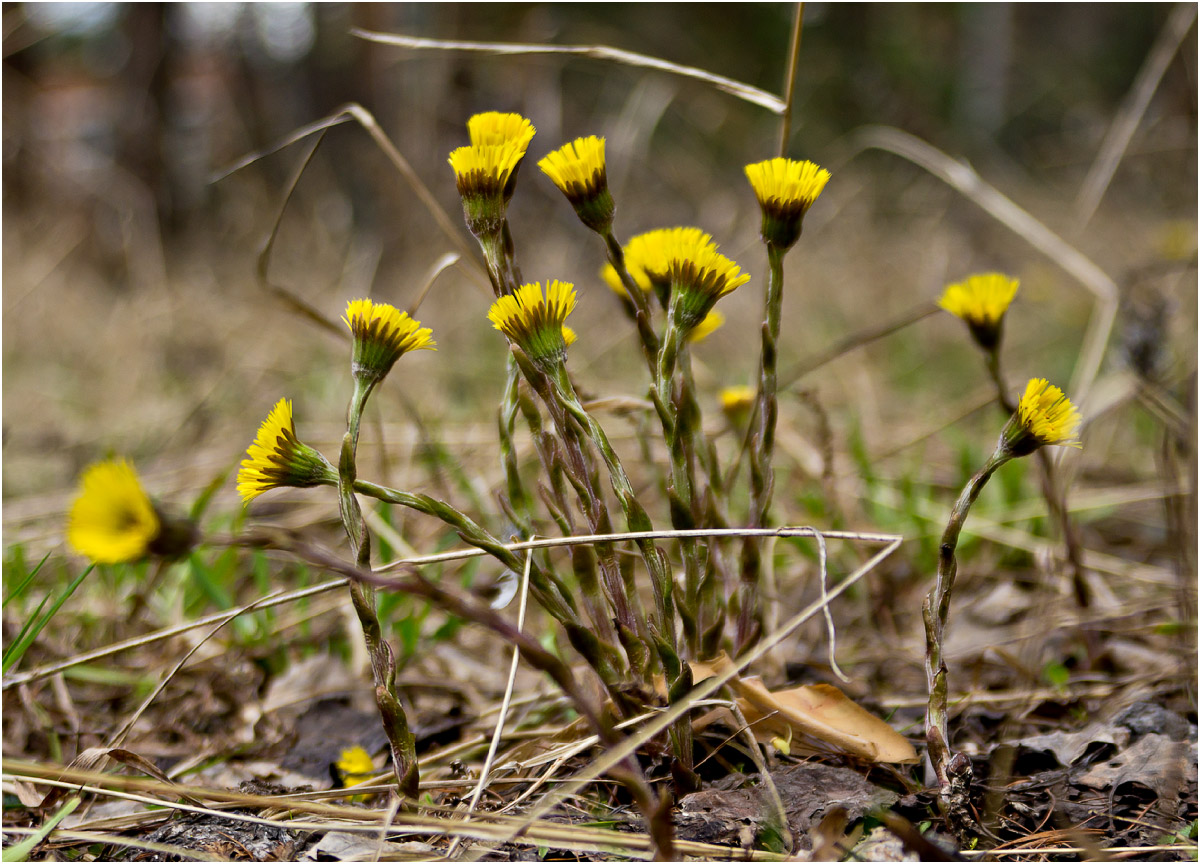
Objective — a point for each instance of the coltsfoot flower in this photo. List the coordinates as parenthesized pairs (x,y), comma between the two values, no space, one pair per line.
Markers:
(113,519)
(737,401)
(278,458)
(535,323)
(647,258)
(785,189)
(354,766)
(483,173)
(578,169)
(382,335)
(981,301)
(700,276)
(494,128)
(1044,417)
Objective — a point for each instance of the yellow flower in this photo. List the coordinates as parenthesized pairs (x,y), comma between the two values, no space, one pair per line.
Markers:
(578,170)
(278,458)
(609,274)
(1044,417)
(112,520)
(382,335)
(700,276)
(712,322)
(785,189)
(493,127)
(535,323)
(482,174)
(981,301)
(737,398)
(354,766)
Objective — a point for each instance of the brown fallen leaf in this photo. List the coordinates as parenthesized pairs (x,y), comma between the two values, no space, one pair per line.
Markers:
(819,711)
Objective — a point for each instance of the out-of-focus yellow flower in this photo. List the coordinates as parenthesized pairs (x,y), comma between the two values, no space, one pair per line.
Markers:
(278,458)
(112,519)
(578,169)
(785,189)
(712,322)
(382,335)
(535,322)
(981,300)
(1044,417)
(737,401)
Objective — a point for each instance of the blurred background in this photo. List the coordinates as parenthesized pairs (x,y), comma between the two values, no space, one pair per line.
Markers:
(134,322)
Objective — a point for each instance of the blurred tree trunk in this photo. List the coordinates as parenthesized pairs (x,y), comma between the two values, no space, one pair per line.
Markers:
(982,95)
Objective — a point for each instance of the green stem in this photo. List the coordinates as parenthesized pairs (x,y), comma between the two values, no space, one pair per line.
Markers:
(936,610)
(383,663)
(762,448)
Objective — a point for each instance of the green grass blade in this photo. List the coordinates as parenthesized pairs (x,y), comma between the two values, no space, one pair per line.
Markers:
(20,589)
(20,851)
(18,649)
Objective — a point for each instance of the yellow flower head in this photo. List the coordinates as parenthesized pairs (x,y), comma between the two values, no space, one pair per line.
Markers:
(700,276)
(278,458)
(535,323)
(493,128)
(609,274)
(712,322)
(785,189)
(981,300)
(354,766)
(737,401)
(578,170)
(112,520)
(382,335)
(483,173)
(1045,417)
(647,258)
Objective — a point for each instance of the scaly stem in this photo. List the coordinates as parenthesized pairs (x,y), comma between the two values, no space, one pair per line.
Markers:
(935,611)
(636,518)
(762,449)
(383,663)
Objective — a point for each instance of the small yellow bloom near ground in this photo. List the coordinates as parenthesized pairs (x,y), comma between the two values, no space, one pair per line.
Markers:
(112,519)
(278,458)
(535,323)
(578,169)
(786,189)
(981,301)
(1045,417)
(382,335)
(354,766)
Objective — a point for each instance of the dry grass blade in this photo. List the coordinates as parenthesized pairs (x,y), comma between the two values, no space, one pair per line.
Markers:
(354,111)
(1120,133)
(966,180)
(435,822)
(596,52)
(502,715)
